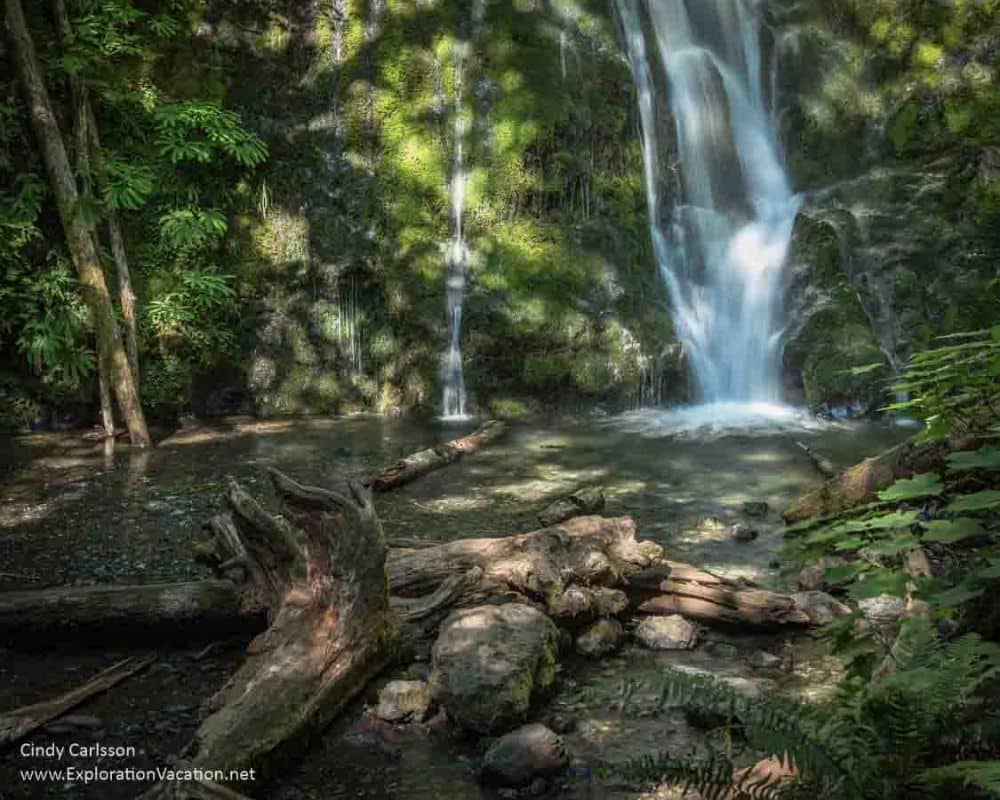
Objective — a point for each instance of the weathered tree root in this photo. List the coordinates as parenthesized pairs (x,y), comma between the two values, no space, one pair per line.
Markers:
(320,571)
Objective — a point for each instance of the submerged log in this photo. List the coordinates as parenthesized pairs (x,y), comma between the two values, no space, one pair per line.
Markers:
(332,629)
(583,502)
(419,464)
(200,608)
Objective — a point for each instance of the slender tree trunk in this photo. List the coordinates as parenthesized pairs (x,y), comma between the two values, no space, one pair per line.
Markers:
(79,234)
(104,389)
(125,293)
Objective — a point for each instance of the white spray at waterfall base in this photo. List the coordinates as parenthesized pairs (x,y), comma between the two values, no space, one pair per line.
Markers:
(722,246)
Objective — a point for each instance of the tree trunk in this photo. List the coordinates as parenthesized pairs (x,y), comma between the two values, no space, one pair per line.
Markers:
(125,293)
(332,629)
(196,608)
(79,233)
(415,466)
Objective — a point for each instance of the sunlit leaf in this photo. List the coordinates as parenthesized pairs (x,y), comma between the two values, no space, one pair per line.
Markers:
(986,457)
(952,530)
(977,501)
(927,484)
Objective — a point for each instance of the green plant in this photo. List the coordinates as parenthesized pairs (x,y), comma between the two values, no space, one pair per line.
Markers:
(916,732)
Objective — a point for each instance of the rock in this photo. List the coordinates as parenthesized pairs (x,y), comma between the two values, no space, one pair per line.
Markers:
(812,577)
(882,609)
(601,638)
(561,723)
(758,509)
(524,755)
(724,650)
(764,660)
(581,502)
(742,532)
(404,701)
(667,633)
(489,661)
(820,607)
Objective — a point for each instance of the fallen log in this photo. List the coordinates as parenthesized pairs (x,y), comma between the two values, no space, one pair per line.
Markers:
(821,463)
(860,483)
(583,502)
(200,608)
(331,631)
(19,723)
(419,464)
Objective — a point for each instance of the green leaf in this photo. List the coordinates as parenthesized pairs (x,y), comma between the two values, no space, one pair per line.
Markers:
(947,531)
(986,457)
(977,501)
(880,581)
(927,484)
(894,546)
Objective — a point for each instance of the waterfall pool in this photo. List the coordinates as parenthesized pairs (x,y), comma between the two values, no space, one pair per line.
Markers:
(71,513)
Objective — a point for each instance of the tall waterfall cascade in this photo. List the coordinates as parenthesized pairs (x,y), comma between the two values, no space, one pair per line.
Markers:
(457,255)
(721,238)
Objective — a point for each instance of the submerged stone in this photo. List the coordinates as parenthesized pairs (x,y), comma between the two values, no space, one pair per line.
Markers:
(600,639)
(404,701)
(667,633)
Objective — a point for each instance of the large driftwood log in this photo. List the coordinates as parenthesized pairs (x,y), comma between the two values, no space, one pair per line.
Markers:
(419,464)
(320,568)
(196,607)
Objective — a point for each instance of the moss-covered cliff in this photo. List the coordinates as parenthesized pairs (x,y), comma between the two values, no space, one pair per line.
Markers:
(892,125)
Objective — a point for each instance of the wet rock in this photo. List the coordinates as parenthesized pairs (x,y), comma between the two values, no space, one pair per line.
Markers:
(724,650)
(404,701)
(820,607)
(742,532)
(764,660)
(812,577)
(524,755)
(581,502)
(756,509)
(667,633)
(489,661)
(882,609)
(561,723)
(600,639)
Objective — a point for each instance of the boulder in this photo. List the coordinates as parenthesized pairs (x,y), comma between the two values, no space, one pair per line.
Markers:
(667,633)
(523,756)
(404,701)
(600,639)
(820,607)
(764,660)
(885,608)
(489,661)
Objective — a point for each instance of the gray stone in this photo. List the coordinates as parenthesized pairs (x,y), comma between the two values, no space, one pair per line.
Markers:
(820,607)
(882,609)
(756,509)
(404,701)
(601,638)
(764,660)
(667,633)
(742,532)
(523,756)
(489,661)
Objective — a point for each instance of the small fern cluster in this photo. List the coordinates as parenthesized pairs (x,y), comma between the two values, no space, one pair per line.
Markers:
(900,737)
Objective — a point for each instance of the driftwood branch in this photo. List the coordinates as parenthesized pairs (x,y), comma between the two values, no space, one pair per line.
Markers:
(17,724)
(408,469)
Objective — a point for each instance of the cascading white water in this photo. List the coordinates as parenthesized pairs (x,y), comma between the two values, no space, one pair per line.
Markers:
(722,247)
(452,377)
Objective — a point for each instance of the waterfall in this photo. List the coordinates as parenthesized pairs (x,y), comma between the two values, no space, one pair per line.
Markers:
(722,244)
(453,405)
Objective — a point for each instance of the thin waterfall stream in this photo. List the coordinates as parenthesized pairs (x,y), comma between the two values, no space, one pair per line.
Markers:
(721,244)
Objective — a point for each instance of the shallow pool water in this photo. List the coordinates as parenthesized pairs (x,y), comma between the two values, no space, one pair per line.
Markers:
(71,512)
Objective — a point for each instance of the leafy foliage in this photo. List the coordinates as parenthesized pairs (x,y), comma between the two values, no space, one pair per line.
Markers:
(886,740)
(955,384)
